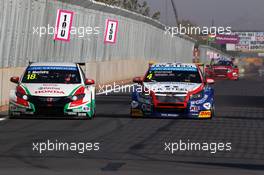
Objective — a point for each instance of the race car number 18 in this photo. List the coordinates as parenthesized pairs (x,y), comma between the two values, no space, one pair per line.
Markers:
(31,76)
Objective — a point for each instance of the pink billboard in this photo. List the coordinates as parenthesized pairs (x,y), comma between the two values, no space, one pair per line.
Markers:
(226,39)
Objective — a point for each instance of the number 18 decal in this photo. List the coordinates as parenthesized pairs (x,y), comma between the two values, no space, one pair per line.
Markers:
(111,31)
(63,25)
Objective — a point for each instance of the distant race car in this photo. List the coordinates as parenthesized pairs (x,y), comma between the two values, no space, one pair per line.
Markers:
(222,69)
(53,88)
(173,90)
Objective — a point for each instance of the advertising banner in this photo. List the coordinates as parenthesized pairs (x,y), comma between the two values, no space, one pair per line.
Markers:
(111,31)
(226,39)
(63,25)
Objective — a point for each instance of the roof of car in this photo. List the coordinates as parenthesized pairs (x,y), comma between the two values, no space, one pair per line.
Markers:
(53,64)
(174,65)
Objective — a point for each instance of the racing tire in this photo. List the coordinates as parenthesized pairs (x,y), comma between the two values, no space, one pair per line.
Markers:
(212,112)
(131,116)
(10,116)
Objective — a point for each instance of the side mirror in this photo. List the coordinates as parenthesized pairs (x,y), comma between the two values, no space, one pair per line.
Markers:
(14,80)
(210,81)
(89,82)
(137,80)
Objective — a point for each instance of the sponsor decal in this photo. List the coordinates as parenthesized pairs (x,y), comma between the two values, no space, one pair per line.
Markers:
(111,31)
(86,108)
(63,25)
(205,114)
(207,106)
(194,108)
(134,104)
(49,92)
(32,68)
(173,67)
(197,102)
(169,115)
(48,88)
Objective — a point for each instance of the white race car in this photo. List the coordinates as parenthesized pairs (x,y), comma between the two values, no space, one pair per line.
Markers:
(52,88)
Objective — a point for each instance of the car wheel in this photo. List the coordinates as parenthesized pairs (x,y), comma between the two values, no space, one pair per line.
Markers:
(131,116)
(10,115)
(213,111)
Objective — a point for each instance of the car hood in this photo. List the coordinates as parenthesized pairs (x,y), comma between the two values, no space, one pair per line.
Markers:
(221,67)
(49,90)
(171,86)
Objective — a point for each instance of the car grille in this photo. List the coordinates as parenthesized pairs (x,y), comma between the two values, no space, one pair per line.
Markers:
(170,98)
(49,101)
(49,105)
(171,110)
(220,71)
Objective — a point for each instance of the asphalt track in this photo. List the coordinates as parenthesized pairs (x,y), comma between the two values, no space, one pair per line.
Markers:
(136,146)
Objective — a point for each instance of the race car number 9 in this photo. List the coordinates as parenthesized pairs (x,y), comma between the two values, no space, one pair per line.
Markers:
(63,25)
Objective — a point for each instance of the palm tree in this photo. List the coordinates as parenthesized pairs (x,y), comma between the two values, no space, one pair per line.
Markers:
(156,15)
(133,5)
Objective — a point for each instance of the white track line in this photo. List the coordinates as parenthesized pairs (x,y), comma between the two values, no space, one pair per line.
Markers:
(3,119)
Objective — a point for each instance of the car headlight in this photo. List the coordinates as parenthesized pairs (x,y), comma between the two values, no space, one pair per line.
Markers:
(77,97)
(25,97)
(197,95)
(229,70)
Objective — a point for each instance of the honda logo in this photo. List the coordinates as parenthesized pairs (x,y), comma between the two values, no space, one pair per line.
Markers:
(49,99)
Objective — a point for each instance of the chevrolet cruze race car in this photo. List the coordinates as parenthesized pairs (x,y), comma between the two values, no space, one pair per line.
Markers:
(173,90)
(53,88)
(222,69)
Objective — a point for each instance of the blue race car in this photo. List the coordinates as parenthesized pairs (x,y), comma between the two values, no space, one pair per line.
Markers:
(173,90)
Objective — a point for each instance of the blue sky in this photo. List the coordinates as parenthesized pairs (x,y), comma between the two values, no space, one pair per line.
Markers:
(239,14)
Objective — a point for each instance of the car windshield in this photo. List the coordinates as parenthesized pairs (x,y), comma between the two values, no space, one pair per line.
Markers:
(173,76)
(223,63)
(52,74)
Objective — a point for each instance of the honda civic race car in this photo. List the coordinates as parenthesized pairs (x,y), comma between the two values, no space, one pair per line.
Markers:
(52,88)
(222,69)
(173,90)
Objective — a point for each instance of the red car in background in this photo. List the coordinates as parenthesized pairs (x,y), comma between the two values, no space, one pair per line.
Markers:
(222,69)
